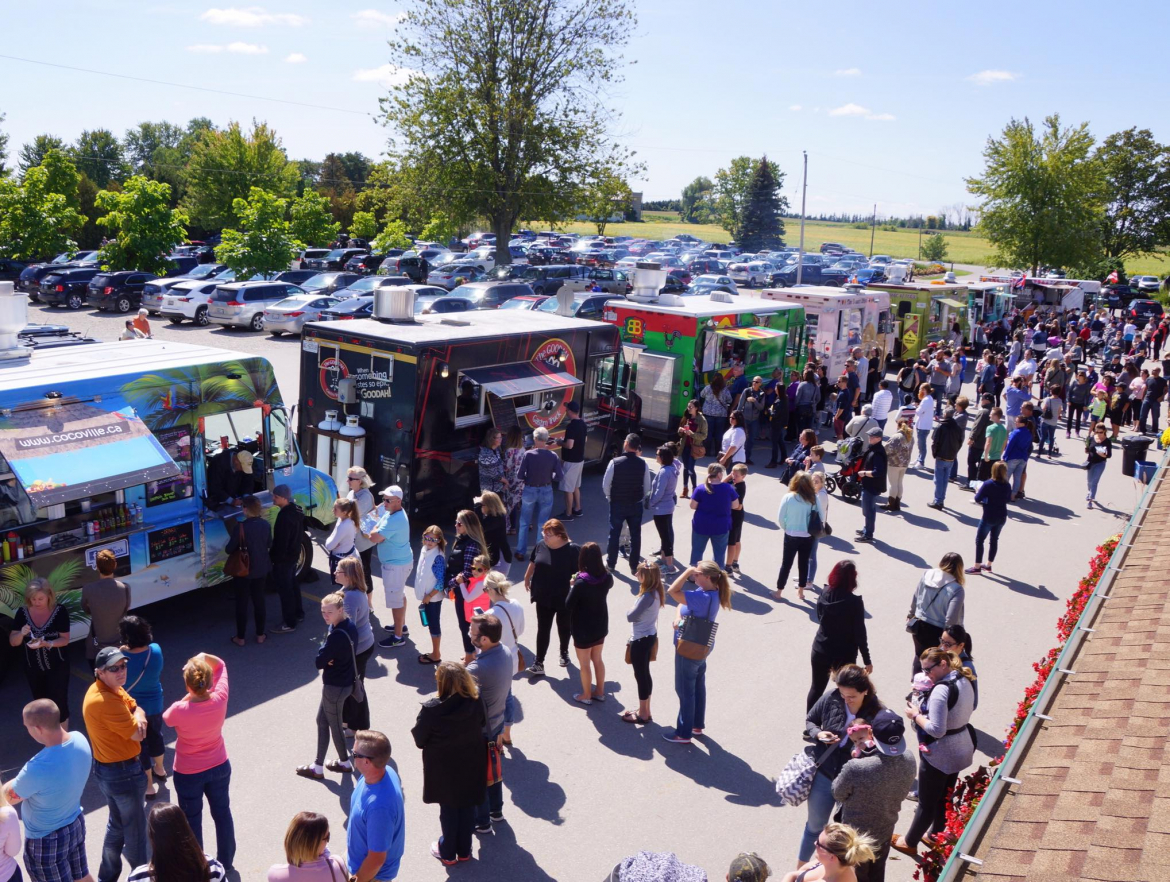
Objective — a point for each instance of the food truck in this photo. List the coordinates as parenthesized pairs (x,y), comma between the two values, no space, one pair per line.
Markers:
(411,398)
(837,321)
(1060,295)
(127,446)
(674,344)
(924,313)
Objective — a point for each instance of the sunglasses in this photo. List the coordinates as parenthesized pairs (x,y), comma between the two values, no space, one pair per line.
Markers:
(353,478)
(927,670)
(118,668)
(430,539)
(357,755)
(478,570)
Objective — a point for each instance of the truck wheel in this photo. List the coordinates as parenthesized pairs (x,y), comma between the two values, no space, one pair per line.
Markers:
(75,301)
(257,322)
(123,304)
(201,317)
(305,559)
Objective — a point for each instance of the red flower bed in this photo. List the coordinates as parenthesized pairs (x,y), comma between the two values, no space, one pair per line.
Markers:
(965,796)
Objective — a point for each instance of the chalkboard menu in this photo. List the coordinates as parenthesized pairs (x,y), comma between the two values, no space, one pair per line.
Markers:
(503,412)
(171,542)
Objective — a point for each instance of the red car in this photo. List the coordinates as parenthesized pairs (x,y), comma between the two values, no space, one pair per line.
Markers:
(524,301)
(682,275)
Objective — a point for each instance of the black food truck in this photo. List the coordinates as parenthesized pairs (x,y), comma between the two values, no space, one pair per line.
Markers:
(410,398)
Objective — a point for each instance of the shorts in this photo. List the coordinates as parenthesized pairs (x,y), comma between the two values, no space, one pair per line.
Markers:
(736,531)
(60,856)
(572,476)
(153,744)
(394,578)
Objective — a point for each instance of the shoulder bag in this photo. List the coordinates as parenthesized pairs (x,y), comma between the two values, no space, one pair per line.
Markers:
(143,671)
(238,563)
(795,781)
(816,526)
(359,686)
(521,662)
(696,637)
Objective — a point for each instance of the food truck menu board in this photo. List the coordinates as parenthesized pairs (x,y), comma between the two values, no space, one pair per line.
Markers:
(503,412)
(170,542)
(177,443)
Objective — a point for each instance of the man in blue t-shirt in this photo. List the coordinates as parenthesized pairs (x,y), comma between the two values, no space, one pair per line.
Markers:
(377,820)
(50,786)
(391,538)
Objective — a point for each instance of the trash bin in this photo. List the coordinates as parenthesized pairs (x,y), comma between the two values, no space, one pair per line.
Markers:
(1133,448)
(1144,471)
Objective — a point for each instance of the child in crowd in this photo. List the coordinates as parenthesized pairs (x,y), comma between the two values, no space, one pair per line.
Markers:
(430,577)
(818,479)
(1097,408)
(861,728)
(475,598)
(816,460)
(737,480)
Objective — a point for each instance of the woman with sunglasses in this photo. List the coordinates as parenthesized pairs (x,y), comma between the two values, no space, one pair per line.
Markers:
(306,848)
(838,850)
(1099,448)
(430,580)
(335,661)
(957,639)
(468,545)
(359,484)
(491,463)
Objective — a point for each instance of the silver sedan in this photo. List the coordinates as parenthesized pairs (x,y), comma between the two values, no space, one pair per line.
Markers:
(289,315)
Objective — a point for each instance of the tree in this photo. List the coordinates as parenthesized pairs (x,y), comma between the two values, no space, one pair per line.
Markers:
(98,155)
(4,170)
(32,154)
(363,225)
(393,235)
(335,185)
(1136,171)
(357,167)
(508,112)
(761,227)
(697,205)
(1041,193)
(731,191)
(226,165)
(264,242)
(148,144)
(145,226)
(934,247)
(607,196)
(312,225)
(439,229)
(61,177)
(35,222)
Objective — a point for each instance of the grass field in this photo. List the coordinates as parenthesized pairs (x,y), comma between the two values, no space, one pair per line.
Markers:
(961,247)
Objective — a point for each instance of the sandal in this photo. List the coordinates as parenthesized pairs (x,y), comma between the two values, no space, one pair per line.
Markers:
(239,641)
(308,772)
(425,659)
(338,766)
(159,776)
(583,699)
(597,697)
(632,717)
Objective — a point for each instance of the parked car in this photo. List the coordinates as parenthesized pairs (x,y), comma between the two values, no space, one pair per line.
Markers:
(810,274)
(427,299)
(880,260)
(1145,284)
(296,277)
(66,286)
(309,254)
(29,280)
(367,285)
(417,264)
(505,272)
(332,260)
(120,291)
(288,316)
(352,308)
(611,281)
(1119,296)
(826,247)
(525,301)
(489,295)
(547,256)
(548,279)
(365,264)
(186,301)
(10,270)
(705,284)
(585,306)
(453,275)
(754,274)
(242,304)
(180,264)
(1142,312)
(327,283)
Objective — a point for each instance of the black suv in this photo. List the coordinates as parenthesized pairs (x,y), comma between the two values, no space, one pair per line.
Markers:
(121,291)
(365,264)
(65,286)
(10,270)
(334,260)
(548,279)
(1142,312)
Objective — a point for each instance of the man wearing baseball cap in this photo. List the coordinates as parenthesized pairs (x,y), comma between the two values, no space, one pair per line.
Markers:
(116,726)
(748,867)
(391,537)
(871,787)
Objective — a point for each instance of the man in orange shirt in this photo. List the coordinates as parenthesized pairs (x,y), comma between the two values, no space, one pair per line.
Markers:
(116,727)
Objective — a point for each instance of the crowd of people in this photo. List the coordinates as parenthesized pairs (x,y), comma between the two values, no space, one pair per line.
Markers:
(859,747)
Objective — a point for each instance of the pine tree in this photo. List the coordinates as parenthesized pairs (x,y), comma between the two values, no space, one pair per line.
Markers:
(761,227)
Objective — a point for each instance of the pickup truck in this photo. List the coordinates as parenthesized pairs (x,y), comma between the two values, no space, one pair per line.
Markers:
(611,281)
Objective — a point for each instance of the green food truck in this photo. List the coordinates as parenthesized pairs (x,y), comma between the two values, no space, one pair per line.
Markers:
(924,313)
(675,344)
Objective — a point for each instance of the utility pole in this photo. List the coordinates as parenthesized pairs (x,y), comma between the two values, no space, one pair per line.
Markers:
(872,230)
(803,194)
(920,225)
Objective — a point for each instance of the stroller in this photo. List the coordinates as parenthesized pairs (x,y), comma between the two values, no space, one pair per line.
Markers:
(850,454)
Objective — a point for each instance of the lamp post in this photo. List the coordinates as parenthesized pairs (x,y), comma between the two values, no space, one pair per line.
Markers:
(803,195)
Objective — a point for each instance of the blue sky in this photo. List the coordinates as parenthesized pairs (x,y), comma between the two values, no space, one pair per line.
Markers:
(893,101)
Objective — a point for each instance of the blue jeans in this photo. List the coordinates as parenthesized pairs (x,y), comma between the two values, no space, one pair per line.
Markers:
(539,499)
(943,468)
(751,429)
(812,561)
(923,437)
(1094,477)
(1047,436)
(1149,406)
(688,463)
(629,513)
(214,784)
(494,801)
(1015,469)
(690,684)
(718,547)
(869,510)
(509,709)
(939,393)
(123,784)
(820,806)
(987,529)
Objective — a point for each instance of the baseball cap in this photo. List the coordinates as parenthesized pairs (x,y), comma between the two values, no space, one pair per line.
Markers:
(888,730)
(284,491)
(875,432)
(573,406)
(110,655)
(393,490)
(748,868)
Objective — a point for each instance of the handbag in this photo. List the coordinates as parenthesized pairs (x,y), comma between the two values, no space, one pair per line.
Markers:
(521,661)
(698,451)
(696,637)
(795,781)
(816,527)
(653,650)
(238,563)
(359,686)
(495,768)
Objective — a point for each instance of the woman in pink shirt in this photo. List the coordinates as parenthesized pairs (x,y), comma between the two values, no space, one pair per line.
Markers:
(306,846)
(201,763)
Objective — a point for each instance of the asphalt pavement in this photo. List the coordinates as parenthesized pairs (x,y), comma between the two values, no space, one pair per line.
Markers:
(582,788)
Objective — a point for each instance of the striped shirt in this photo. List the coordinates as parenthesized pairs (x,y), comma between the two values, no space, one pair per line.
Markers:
(145,873)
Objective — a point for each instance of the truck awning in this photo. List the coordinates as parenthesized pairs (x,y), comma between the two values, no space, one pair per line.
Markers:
(751,333)
(74,451)
(524,378)
(954,304)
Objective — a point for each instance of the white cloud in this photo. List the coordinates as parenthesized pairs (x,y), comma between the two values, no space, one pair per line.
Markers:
(882,117)
(236,48)
(847,72)
(795,107)
(251,17)
(991,77)
(863,112)
(374,17)
(296,58)
(386,75)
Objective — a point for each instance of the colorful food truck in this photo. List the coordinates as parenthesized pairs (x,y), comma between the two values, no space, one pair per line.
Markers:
(924,313)
(410,399)
(1049,294)
(128,446)
(838,321)
(674,345)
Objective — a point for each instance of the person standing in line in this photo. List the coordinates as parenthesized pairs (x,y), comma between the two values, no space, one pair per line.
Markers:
(923,422)
(391,536)
(898,449)
(750,408)
(937,604)
(335,661)
(306,850)
(643,645)
(468,545)
(662,502)
(511,616)
(10,842)
(841,634)
(883,403)
(589,620)
(805,402)
(1051,409)
(360,483)
(356,714)
(50,786)
(873,482)
(202,768)
(731,448)
(1099,449)
(977,440)
(42,625)
(796,509)
(287,533)
(842,408)
(1015,396)
(985,375)
(513,459)
(715,401)
(491,462)
(626,485)
(117,727)
(430,584)
(692,433)
(255,536)
(840,853)
(539,470)
(1016,453)
(548,580)
(994,496)
(106,601)
(818,482)
(955,379)
(1080,398)
(376,836)
(340,542)
(940,375)
(144,683)
(713,504)
(995,440)
(778,415)
(957,639)
(449,732)
(711,592)
(944,447)
(493,517)
(573,460)
(1152,401)
(873,373)
(736,479)
(492,670)
(175,853)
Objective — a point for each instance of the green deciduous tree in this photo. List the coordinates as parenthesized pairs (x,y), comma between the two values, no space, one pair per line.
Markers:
(263,240)
(61,176)
(607,196)
(35,222)
(1136,191)
(760,224)
(144,144)
(334,184)
(1041,195)
(697,205)
(934,247)
(506,112)
(363,225)
(393,235)
(145,226)
(439,228)
(4,169)
(312,224)
(33,153)
(731,191)
(98,155)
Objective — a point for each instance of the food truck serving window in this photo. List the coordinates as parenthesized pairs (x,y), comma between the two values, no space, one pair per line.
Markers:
(62,452)
(525,384)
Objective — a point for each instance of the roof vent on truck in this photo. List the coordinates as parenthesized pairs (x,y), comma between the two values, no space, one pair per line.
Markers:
(646,281)
(394,304)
